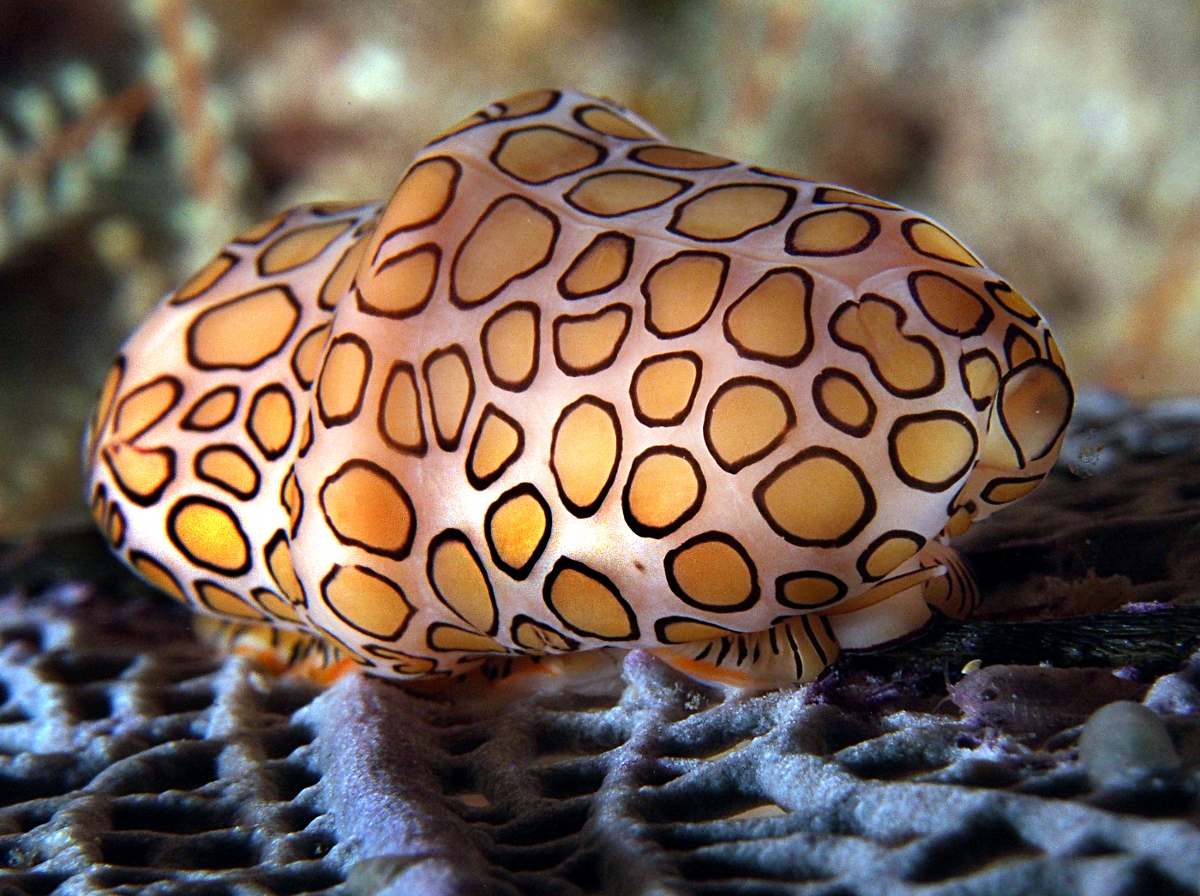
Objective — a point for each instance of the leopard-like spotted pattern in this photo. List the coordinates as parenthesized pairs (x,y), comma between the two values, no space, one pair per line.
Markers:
(574,387)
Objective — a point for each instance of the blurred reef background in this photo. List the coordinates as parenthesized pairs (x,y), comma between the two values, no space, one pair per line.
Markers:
(1058,138)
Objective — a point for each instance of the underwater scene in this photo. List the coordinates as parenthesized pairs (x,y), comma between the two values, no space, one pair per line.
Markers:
(551,447)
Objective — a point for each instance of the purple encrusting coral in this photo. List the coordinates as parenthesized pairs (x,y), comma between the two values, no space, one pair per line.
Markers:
(135,136)
(181,771)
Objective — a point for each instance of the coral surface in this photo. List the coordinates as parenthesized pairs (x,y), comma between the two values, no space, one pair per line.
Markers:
(135,138)
(134,759)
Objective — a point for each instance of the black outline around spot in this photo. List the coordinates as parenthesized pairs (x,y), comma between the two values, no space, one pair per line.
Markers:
(272,545)
(436,216)
(650,361)
(459,302)
(486,115)
(870,507)
(102,413)
(1011,337)
(873,229)
(456,535)
(98,503)
(823,411)
(641,528)
(982,322)
(150,498)
(519,573)
(190,500)
(552,98)
(479,483)
(966,358)
(228,448)
(672,227)
(780,175)
(792,360)
(397,368)
(683,185)
(260,257)
(585,511)
(521,619)
(901,317)
(327,302)
(200,584)
(190,337)
(1053,355)
(866,199)
(249,427)
(262,597)
(494,155)
(716,298)
(661,624)
(451,443)
(306,436)
(906,230)
(608,359)
(293,521)
(366,570)
(1070,391)
(293,363)
(782,581)
(728,386)
(625,239)
(467,652)
(191,426)
(175,301)
(904,421)
(563,564)
(391,655)
(114,513)
(863,558)
(728,540)
(176,394)
(635,156)
(1008,480)
(396,554)
(141,557)
(372,310)
(331,420)
(995,287)
(579,111)
(327,638)
(524,382)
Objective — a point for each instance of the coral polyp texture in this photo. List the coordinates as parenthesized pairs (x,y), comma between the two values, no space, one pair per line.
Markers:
(575,387)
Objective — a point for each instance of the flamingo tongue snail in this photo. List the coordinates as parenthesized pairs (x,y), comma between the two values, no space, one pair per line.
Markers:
(575,387)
